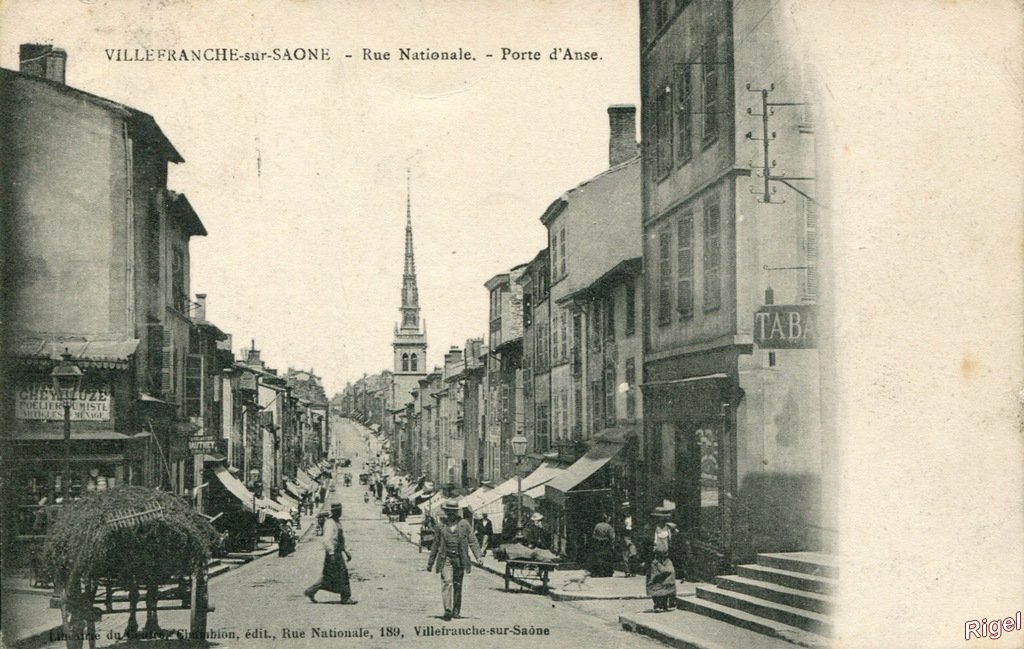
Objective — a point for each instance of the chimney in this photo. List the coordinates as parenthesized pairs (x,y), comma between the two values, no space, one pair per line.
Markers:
(45,61)
(622,143)
(253,357)
(200,307)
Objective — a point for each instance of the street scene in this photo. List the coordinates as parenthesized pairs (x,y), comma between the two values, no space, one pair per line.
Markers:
(614,424)
(225,421)
(399,602)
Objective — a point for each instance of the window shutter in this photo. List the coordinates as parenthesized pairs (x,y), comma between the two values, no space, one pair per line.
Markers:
(167,362)
(811,248)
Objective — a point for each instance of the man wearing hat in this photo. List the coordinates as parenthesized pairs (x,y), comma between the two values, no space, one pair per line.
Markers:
(534,535)
(334,574)
(449,556)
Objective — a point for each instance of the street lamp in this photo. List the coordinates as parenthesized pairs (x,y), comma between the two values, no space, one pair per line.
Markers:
(67,378)
(519,443)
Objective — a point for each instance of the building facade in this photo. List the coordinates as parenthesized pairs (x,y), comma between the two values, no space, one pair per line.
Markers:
(733,428)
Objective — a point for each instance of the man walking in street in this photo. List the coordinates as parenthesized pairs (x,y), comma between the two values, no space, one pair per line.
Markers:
(334,574)
(484,532)
(449,556)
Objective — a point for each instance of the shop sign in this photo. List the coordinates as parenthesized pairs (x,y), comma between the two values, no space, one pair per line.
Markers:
(786,326)
(39,401)
(202,444)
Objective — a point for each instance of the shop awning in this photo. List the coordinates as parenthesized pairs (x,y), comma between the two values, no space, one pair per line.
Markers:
(91,351)
(474,500)
(235,486)
(304,477)
(295,488)
(288,501)
(542,475)
(595,458)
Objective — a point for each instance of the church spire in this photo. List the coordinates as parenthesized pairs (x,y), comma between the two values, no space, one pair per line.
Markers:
(410,295)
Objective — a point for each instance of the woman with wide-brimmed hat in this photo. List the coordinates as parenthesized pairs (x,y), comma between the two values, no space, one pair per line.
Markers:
(661,574)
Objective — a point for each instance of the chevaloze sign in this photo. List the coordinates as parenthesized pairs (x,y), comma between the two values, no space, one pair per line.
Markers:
(38,401)
(786,326)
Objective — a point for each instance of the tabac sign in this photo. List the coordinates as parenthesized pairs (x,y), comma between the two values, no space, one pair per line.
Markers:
(38,401)
(786,326)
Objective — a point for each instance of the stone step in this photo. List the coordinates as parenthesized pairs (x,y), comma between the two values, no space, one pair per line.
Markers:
(788,578)
(809,563)
(800,618)
(219,569)
(775,593)
(752,622)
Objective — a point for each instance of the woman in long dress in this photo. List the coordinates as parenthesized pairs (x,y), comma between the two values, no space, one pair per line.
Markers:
(661,574)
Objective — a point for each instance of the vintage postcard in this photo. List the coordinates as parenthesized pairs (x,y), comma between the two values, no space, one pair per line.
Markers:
(443,323)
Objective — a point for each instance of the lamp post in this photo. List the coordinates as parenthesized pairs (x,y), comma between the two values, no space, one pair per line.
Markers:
(519,443)
(67,377)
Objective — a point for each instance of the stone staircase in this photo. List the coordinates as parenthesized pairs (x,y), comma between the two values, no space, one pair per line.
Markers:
(785,595)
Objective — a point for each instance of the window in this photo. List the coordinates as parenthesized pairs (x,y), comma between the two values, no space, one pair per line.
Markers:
(527,310)
(555,331)
(664,277)
(631,385)
(542,436)
(609,317)
(707,440)
(596,401)
(561,254)
(564,413)
(179,294)
(609,395)
(712,255)
(554,256)
(630,306)
(684,113)
(684,254)
(495,304)
(810,249)
(405,362)
(577,424)
(556,418)
(505,403)
(595,325)
(413,363)
(563,335)
(710,89)
(663,132)
(577,338)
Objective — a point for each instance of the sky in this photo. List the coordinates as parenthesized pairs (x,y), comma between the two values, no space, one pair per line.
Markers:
(298,169)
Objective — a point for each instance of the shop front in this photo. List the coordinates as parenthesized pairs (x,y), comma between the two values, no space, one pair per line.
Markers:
(575,500)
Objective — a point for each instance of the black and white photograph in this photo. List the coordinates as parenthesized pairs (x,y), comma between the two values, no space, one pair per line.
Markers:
(439,323)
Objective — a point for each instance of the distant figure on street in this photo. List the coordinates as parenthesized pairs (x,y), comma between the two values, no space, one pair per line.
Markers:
(661,574)
(484,532)
(334,574)
(449,556)
(534,535)
(602,557)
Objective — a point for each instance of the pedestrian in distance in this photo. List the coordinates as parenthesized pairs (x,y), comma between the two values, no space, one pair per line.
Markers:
(334,573)
(484,532)
(449,556)
(603,548)
(661,574)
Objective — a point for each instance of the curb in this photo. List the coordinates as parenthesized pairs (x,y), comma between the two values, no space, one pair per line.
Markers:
(661,635)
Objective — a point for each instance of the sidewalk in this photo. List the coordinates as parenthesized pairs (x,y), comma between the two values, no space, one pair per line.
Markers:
(615,598)
(565,585)
(28,620)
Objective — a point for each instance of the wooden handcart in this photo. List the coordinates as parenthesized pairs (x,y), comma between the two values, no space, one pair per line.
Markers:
(520,570)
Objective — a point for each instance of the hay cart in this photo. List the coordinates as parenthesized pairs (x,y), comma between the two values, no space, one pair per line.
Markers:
(131,538)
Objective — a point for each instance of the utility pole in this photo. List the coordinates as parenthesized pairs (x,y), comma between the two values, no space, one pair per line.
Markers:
(767,110)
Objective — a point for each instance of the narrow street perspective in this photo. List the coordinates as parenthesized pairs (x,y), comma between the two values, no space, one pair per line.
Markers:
(260,604)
